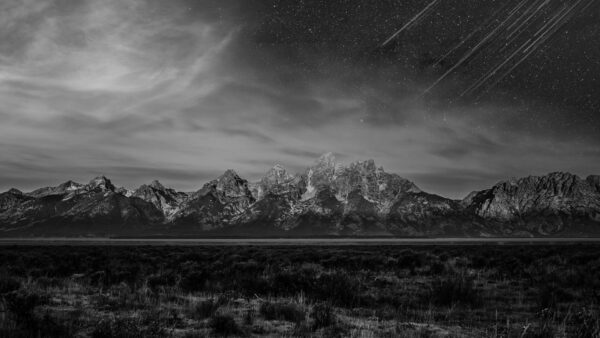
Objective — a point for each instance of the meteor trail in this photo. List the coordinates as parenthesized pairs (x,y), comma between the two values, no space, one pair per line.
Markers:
(557,22)
(523,48)
(492,72)
(525,22)
(478,29)
(554,27)
(527,11)
(552,20)
(469,54)
(504,46)
(517,32)
(409,23)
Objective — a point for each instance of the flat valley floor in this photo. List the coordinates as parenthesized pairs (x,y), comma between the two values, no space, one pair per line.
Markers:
(108,241)
(299,288)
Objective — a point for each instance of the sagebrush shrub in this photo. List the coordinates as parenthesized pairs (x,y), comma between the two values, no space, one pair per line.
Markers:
(322,316)
(224,325)
(458,289)
(22,303)
(126,328)
(205,309)
(9,284)
(586,323)
(193,281)
(282,311)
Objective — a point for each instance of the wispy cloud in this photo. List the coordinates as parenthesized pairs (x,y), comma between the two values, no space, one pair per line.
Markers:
(181,90)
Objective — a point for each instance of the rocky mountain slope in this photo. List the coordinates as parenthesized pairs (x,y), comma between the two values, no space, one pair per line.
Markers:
(75,209)
(543,204)
(327,199)
(166,200)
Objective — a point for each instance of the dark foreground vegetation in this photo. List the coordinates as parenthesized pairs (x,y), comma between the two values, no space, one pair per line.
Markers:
(294,291)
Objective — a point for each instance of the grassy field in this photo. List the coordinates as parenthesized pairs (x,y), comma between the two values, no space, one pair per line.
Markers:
(512,290)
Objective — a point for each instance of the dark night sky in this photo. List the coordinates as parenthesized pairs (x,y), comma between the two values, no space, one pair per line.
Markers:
(467,93)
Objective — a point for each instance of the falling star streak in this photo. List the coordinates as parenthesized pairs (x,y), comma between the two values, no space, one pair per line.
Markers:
(504,46)
(552,20)
(523,48)
(553,28)
(526,21)
(492,72)
(410,22)
(586,6)
(477,30)
(468,54)
(530,47)
(515,11)
(523,17)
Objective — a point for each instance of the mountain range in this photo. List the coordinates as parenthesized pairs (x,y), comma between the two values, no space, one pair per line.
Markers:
(328,199)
